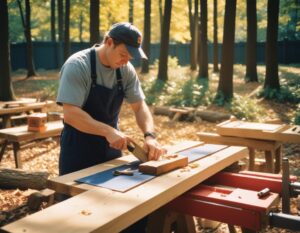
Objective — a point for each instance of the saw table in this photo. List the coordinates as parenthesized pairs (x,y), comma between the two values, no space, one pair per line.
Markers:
(98,209)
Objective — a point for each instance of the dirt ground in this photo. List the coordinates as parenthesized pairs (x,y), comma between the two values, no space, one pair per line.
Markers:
(45,156)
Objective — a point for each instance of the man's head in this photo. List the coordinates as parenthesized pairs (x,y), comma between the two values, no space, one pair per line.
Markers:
(131,37)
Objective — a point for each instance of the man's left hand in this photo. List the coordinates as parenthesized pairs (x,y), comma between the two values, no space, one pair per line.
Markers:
(154,149)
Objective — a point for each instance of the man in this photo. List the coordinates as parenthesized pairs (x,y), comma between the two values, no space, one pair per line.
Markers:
(93,84)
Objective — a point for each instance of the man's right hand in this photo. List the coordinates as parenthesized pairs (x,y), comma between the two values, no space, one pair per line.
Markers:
(117,139)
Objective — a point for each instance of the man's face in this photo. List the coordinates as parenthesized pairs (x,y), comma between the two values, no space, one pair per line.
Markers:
(116,56)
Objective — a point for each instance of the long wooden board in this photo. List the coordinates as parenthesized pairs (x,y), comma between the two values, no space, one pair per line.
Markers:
(103,210)
(273,132)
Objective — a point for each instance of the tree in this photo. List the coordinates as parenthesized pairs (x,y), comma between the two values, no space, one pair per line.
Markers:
(67,31)
(251,71)
(194,32)
(161,17)
(225,87)
(272,79)
(27,32)
(216,49)
(147,35)
(53,32)
(164,46)
(60,13)
(6,89)
(203,62)
(94,22)
(130,13)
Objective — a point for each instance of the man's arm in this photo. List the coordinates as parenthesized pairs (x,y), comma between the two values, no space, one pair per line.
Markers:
(145,122)
(83,122)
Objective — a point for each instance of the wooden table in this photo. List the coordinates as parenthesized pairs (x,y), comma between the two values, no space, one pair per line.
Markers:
(17,135)
(97,209)
(13,108)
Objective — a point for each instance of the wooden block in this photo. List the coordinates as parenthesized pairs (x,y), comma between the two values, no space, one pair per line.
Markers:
(168,163)
(37,122)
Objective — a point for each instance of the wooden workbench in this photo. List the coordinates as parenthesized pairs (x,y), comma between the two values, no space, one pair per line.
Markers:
(19,134)
(104,210)
(13,108)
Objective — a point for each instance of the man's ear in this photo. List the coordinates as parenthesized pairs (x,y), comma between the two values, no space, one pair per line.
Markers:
(109,41)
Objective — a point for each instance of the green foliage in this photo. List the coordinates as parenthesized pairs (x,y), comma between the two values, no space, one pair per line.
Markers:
(245,108)
(285,94)
(172,62)
(192,94)
(153,90)
(297,116)
(50,91)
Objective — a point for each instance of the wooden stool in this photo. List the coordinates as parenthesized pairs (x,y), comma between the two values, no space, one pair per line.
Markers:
(272,149)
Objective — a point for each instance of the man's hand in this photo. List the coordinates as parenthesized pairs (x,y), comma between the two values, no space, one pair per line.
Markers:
(153,148)
(117,139)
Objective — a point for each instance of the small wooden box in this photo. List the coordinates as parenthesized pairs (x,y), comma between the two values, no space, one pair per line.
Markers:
(37,122)
(169,163)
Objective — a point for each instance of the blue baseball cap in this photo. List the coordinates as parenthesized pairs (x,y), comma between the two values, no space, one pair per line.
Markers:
(130,36)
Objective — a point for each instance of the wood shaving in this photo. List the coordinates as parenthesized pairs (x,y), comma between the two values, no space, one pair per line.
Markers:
(193,165)
(85,212)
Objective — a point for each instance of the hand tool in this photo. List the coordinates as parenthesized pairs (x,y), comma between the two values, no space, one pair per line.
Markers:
(137,151)
(125,172)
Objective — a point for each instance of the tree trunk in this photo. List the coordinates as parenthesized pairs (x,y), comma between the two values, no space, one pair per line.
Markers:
(164,46)
(17,178)
(60,9)
(194,33)
(6,89)
(272,79)
(81,26)
(53,32)
(130,13)
(251,72)
(27,32)
(216,49)
(203,63)
(225,87)
(67,31)
(94,22)
(161,17)
(147,35)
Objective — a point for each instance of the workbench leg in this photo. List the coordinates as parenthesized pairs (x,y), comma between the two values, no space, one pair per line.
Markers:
(3,149)
(160,221)
(245,230)
(231,228)
(16,148)
(185,223)
(6,121)
(251,159)
(269,156)
(278,158)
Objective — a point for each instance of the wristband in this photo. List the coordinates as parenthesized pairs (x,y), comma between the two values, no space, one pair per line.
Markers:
(150,134)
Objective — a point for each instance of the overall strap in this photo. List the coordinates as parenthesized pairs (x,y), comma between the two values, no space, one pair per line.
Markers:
(93,66)
(119,80)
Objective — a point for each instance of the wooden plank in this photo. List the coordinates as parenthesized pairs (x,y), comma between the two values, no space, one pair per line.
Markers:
(21,133)
(237,141)
(273,132)
(164,165)
(25,108)
(110,211)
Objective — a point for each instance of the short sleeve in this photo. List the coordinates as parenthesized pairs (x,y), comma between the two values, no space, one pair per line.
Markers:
(133,90)
(73,86)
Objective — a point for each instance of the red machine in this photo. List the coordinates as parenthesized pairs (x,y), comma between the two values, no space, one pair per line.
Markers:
(245,199)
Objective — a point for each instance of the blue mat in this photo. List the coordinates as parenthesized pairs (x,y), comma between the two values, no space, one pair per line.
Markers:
(123,183)
(199,152)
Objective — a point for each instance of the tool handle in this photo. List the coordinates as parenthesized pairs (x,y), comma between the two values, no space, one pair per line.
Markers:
(263,193)
(122,172)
